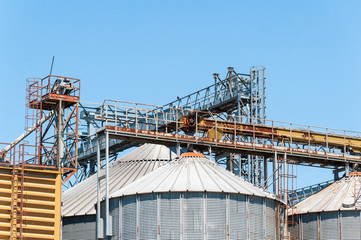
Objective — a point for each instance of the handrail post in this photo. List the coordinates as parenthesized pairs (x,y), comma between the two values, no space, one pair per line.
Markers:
(216,133)
(156,122)
(176,120)
(136,118)
(291,137)
(344,144)
(116,117)
(196,127)
(327,150)
(106,114)
(309,140)
(272,135)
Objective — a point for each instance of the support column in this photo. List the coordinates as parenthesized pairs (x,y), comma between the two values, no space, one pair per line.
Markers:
(210,152)
(347,169)
(107,216)
(98,225)
(285,173)
(285,194)
(256,171)
(178,149)
(250,167)
(265,171)
(275,175)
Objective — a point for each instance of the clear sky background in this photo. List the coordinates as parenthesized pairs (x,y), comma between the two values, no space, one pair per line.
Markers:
(153,51)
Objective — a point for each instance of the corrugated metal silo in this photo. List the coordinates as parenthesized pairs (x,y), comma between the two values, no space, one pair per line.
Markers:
(333,213)
(192,198)
(78,202)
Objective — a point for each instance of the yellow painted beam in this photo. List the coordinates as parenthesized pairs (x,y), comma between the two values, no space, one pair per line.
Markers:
(39,202)
(4,233)
(40,219)
(3,207)
(38,227)
(38,236)
(5,224)
(5,182)
(5,199)
(38,194)
(37,185)
(38,210)
(281,133)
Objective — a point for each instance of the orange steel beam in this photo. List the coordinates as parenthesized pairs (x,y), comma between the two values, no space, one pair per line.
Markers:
(276,133)
(302,155)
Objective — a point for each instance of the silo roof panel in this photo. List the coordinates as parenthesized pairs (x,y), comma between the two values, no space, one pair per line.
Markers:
(80,199)
(341,195)
(192,174)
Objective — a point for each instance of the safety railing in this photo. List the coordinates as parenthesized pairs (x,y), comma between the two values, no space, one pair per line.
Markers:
(60,85)
(26,154)
(302,138)
(216,93)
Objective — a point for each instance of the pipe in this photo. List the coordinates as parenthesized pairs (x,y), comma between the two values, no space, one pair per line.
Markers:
(275,175)
(98,226)
(107,217)
(27,133)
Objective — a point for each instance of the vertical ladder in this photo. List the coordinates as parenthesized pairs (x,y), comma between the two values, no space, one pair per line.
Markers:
(20,201)
(286,182)
(14,205)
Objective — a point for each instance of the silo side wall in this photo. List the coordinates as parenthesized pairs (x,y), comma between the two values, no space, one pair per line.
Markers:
(79,227)
(193,216)
(330,225)
(30,202)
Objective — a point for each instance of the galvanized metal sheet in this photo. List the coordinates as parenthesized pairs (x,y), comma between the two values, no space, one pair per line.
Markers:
(80,199)
(192,174)
(341,195)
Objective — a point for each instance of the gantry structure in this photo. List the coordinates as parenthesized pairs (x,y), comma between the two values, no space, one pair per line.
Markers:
(31,170)
(226,121)
(237,94)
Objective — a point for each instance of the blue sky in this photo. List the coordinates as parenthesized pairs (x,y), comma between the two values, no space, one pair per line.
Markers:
(153,51)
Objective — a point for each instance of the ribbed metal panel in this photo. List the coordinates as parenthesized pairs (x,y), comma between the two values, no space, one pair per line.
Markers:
(148,222)
(255,217)
(216,216)
(80,199)
(310,226)
(190,216)
(295,227)
(114,212)
(129,214)
(237,217)
(270,220)
(329,226)
(169,216)
(79,227)
(193,216)
(37,194)
(350,225)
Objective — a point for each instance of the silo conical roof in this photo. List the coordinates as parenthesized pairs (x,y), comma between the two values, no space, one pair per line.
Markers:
(193,172)
(343,194)
(79,200)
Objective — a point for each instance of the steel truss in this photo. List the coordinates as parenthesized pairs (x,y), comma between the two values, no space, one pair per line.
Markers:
(238,94)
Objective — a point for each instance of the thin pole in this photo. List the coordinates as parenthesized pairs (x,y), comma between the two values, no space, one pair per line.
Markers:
(98,190)
(275,175)
(178,149)
(52,64)
(265,171)
(107,224)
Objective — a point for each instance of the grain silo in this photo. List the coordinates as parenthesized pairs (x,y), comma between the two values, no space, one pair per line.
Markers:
(333,213)
(78,202)
(192,198)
